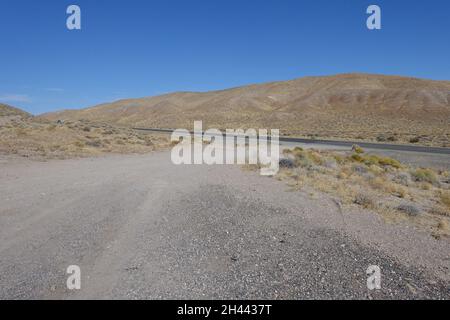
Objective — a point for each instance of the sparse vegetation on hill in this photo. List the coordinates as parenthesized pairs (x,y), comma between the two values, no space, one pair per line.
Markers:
(7,111)
(47,140)
(350,106)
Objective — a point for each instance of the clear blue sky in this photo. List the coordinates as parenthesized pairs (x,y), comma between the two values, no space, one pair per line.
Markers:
(140,48)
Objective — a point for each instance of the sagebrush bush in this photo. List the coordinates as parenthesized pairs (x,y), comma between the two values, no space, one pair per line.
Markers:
(390,162)
(409,209)
(414,140)
(357,149)
(364,200)
(424,175)
(402,178)
(357,157)
(339,159)
(370,160)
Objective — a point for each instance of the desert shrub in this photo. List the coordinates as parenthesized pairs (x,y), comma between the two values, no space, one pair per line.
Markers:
(445,198)
(364,200)
(384,138)
(360,169)
(298,152)
(339,159)
(304,162)
(390,162)
(287,163)
(120,142)
(424,175)
(370,160)
(414,140)
(357,157)
(94,143)
(330,163)
(148,142)
(425,186)
(443,225)
(440,211)
(402,178)
(342,175)
(86,129)
(21,132)
(388,187)
(399,191)
(392,138)
(378,183)
(357,149)
(381,138)
(306,159)
(315,157)
(409,209)
(79,144)
(376,169)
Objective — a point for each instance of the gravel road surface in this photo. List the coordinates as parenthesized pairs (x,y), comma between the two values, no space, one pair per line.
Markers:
(140,227)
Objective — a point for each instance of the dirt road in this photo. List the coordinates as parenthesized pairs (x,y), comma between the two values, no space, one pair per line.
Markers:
(141,228)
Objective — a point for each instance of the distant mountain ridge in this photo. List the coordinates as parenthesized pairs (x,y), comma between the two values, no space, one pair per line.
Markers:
(344,106)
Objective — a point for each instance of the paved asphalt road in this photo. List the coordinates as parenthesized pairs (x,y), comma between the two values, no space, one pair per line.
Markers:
(142,228)
(337,143)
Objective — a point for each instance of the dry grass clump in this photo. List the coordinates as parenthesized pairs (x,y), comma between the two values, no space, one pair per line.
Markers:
(424,175)
(444,225)
(46,140)
(445,198)
(396,191)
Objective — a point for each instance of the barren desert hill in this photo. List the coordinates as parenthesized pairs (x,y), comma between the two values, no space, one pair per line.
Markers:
(7,110)
(357,106)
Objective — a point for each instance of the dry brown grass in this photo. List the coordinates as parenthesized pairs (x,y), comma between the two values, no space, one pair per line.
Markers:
(444,226)
(445,198)
(46,140)
(396,191)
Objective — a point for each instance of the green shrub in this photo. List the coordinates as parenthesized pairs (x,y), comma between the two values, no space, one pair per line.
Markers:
(424,175)
(357,149)
(339,159)
(370,160)
(356,157)
(390,162)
